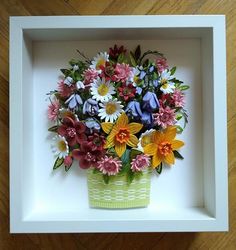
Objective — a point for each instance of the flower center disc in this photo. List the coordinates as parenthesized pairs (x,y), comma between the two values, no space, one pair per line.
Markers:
(110,108)
(61,146)
(164,148)
(101,62)
(122,135)
(103,89)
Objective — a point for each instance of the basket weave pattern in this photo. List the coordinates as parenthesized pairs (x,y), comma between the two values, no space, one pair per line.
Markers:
(118,193)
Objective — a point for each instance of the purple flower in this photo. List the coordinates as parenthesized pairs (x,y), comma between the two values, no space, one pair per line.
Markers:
(90,107)
(150,102)
(133,109)
(155,83)
(92,124)
(139,90)
(142,74)
(151,68)
(73,101)
(147,119)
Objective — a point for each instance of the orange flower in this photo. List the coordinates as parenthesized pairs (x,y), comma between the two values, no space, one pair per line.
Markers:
(121,134)
(163,145)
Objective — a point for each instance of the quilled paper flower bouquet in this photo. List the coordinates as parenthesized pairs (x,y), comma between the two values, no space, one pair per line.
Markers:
(118,115)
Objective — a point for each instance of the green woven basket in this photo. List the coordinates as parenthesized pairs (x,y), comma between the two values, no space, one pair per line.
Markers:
(118,193)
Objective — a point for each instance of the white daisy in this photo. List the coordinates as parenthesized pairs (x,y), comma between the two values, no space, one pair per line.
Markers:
(102,90)
(99,60)
(145,139)
(110,110)
(167,86)
(60,147)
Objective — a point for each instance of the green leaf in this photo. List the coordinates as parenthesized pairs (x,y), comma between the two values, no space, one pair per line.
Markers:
(184,87)
(178,155)
(67,168)
(137,53)
(132,60)
(179,129)
(159,168)
(125,157)
(53,129)
(172,71)
(125,168)
(58,163)
(134,153)
(121,58)
(106,178)
(66,72)
(130,177)
(178,117)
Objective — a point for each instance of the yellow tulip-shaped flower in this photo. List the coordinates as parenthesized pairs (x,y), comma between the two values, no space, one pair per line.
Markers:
(121,134)
(162,147)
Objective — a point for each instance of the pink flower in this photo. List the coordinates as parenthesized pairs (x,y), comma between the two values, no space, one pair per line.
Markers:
(68,161)
(165,117)
(90,75)
(65,90)
(109,165)
(178,98)
(53,110)
(161,64)
(122,72)
(140,162)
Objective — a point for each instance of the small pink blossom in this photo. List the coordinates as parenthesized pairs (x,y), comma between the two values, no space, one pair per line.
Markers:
(53,110)
(161,64)
(140,162)
(109,165)
(123,72)
(178,98)
(68,161)
(90,75)
(65,90)
(165,117)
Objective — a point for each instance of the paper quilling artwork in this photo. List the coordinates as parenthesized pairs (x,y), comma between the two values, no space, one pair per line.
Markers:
(118,116)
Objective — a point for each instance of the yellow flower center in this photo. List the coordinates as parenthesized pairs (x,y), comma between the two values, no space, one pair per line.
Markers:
(163,81)
(146,139)
(110,108)
(100,62)
(61,146)
(103,89)
(164,148)
(123,135)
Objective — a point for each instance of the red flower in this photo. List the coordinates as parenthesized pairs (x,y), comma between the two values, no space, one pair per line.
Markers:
(116,51)
(127,91)
(88,155)
(73,131)
(107,71)
(98,141)
(65,90)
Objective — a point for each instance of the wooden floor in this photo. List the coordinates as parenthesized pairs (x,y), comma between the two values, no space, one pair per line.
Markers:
(116,241)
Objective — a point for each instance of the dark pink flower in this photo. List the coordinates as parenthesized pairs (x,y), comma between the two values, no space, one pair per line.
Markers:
(161,64)
(109,165)
(73,131)
(53,110)
(68,161)
(98,141)
(122,72)
(178,98)
(87,155)
(127,91)
(116,51)
(89,76)
(165,117)
(140,162)
(65,90)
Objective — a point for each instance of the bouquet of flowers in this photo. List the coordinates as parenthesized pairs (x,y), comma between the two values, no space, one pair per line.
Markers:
(118,114)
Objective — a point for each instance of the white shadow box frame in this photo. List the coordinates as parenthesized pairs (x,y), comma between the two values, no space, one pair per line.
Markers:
(191,196)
